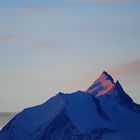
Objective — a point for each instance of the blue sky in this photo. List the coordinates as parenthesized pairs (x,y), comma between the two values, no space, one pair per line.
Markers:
(52,46)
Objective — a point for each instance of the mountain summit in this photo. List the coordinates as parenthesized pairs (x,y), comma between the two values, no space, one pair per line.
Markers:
(102,85)
(103,112)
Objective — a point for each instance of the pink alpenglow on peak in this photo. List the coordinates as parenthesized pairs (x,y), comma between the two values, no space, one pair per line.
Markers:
(102,85)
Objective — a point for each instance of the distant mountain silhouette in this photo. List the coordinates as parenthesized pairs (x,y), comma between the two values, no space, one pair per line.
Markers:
(103,112)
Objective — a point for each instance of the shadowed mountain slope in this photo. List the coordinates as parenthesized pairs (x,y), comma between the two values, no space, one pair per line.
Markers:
(103,112)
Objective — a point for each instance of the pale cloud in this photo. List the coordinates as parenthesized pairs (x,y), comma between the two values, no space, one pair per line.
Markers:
(13,40)
(108,1)
(37,9)
(128,69)
(41,9)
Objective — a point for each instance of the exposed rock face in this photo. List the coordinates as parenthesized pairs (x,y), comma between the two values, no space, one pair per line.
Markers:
(102,85)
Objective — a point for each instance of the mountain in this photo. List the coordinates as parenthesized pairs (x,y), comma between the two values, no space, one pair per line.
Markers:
(103,112)
(5,118)
(102,85)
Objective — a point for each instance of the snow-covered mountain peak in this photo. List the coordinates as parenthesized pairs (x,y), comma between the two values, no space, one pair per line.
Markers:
(118,87)
(105,76)
(80,115)
(102,85)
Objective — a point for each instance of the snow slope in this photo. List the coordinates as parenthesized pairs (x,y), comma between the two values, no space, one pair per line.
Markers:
(28,123)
